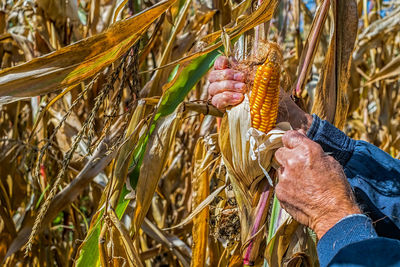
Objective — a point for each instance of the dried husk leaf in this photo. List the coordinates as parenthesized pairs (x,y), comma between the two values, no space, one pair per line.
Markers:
(247,150)
(292,245)
(247,154)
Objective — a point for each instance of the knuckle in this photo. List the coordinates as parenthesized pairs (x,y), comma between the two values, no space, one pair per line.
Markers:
(212,89)
(307,149)
(220,62)
(226,84)
(291,133)
(314,149)
(227,74)
(220,105)
(292,163)
(216,102)
(226,96)
(288,135)
(210,77)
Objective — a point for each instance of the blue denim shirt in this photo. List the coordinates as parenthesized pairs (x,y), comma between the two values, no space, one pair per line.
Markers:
(372,238)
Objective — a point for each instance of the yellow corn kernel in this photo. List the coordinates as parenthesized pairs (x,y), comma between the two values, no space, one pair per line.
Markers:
(264,97)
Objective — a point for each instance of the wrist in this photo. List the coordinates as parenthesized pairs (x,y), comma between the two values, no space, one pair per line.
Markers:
(299,119)
(305,122)
(290,112)
(324,223)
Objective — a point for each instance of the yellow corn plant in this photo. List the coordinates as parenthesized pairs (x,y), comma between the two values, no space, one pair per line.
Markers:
(111,155)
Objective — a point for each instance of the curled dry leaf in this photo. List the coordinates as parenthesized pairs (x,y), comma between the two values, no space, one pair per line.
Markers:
(79,61)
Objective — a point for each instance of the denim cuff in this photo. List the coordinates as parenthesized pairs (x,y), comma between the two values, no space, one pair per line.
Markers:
(331,139)
(351,229)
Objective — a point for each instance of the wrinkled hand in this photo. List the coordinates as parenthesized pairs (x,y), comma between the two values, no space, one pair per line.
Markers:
(312,186)
(228,86)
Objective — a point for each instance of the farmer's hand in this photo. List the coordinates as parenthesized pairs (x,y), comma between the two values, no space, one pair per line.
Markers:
(228,86)
(312,186)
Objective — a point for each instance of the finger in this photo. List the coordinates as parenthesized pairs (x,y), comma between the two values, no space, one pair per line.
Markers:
(292,139)
(225,74)
(221,63)
(226,99)
(227,85)
(281,156)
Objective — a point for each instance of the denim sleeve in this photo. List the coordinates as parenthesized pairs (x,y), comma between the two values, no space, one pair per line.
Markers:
(354,242)
(331,139)
(370,252)
(357,157)
(351,229)
(372,173)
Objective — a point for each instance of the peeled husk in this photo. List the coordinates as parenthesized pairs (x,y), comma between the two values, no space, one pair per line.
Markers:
(248,156)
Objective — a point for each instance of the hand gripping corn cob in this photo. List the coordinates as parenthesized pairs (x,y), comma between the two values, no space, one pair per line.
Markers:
(264,97)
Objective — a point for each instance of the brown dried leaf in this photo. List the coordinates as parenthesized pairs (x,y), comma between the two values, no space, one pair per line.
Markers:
(331,93)
(153,164)
(202,158)
(75,63)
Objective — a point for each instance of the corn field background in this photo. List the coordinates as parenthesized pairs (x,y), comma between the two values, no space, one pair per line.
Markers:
(109,151)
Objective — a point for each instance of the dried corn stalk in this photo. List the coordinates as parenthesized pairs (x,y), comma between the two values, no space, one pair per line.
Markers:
(247,154)
(203,157)
(248,139)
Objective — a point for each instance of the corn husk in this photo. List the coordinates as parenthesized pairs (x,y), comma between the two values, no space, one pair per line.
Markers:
(247,152)
(248,156)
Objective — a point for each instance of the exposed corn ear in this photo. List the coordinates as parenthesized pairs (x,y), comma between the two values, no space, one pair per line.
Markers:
(264,97)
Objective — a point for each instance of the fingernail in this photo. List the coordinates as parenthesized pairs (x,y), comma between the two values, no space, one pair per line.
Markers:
(237,96)
(239,86)
(238,76)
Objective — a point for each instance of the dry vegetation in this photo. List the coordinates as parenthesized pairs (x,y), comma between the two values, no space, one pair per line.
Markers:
(106,158)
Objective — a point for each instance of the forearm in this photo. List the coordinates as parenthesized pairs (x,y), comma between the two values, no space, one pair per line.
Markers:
(290,112)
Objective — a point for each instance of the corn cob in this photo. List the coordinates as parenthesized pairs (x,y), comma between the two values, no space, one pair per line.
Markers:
(264,97)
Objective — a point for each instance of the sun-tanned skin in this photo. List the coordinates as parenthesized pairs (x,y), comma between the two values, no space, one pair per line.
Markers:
(312,184)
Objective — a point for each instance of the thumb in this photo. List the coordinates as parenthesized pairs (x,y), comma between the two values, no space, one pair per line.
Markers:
(221,63)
